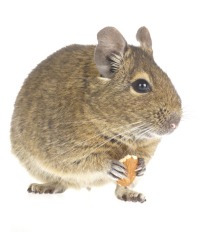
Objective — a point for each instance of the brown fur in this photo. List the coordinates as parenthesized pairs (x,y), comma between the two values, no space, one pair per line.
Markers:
(68,124)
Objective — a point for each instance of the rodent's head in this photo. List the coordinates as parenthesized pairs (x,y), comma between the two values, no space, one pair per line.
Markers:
(136,93)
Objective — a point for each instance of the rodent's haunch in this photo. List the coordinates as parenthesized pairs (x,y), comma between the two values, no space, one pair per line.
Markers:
(86,107)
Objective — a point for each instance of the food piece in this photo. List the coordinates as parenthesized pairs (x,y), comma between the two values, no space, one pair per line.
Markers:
(131,162)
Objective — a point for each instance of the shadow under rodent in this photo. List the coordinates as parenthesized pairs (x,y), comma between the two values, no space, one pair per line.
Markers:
(86,107)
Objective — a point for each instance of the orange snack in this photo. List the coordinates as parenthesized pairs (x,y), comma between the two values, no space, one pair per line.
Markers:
(131,162)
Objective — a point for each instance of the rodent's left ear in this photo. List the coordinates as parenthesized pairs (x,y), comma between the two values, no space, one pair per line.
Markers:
(110,51)
(143,36)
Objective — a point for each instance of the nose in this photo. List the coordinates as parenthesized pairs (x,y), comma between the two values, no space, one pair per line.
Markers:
(173,121)
(173,125)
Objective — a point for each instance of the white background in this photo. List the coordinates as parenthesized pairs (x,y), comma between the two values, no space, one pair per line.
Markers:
(32,30)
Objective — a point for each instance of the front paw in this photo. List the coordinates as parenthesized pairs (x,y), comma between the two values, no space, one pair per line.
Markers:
(141,167)
(117,170)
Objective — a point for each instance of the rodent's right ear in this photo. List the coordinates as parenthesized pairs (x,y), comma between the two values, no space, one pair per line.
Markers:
(110,51)
(143,36)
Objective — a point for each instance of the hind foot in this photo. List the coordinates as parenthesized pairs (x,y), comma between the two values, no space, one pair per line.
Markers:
(46,188)
(125,194)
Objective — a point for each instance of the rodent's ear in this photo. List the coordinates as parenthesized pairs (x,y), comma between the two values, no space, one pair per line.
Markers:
(110,51)
(143,36)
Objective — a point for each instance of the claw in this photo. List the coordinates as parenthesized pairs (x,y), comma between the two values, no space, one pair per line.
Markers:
(141,168)
(118,170)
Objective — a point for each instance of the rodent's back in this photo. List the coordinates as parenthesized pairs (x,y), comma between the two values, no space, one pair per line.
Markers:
(74,60)
(52,94)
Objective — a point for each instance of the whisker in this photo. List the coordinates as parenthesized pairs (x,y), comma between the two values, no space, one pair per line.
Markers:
(145,130)
(103,133)
(94,148)
(117,135)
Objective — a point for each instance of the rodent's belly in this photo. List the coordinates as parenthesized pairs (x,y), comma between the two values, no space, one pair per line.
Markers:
(75,179)
(85,180)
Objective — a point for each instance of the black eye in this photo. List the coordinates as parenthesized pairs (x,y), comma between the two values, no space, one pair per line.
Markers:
(141,86)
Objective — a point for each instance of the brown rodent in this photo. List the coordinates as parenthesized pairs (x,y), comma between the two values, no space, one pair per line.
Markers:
(86,107)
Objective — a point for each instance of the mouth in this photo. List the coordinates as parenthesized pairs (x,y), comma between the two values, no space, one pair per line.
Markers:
(157,132)
(165,130)
(152,130)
